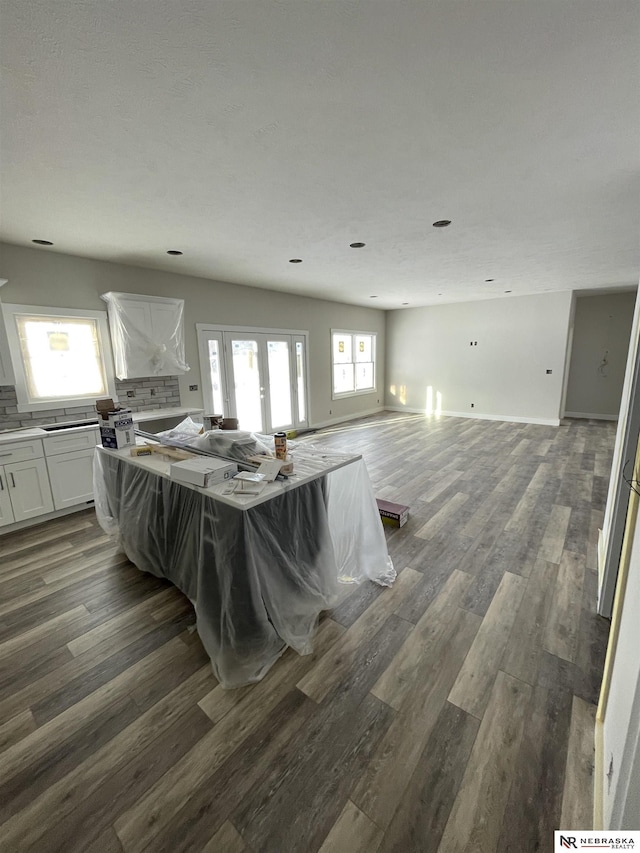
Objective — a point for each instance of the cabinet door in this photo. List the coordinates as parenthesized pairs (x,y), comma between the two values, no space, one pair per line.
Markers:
(71,476)
(165,319)
(29,488)
(6,513)
(130,332)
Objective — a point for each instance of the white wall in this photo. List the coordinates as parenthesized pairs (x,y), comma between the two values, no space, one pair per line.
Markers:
(49,278)
(601,330)
(519,339)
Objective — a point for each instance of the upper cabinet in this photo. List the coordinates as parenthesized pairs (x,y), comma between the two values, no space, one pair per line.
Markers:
(6,371)
(147,334)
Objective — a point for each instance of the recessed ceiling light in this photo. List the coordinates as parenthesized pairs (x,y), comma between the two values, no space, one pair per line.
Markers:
(489,279)
(43,242)
(357,245)
(441,223)
(373,297)
(173,252)
(405,303)
(508,291)
(295,260)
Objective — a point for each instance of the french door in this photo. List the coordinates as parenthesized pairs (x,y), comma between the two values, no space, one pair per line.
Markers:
(256,376)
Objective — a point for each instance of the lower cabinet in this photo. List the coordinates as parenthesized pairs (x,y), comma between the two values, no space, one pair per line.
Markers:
(24,491)
(6,510)
(71,477)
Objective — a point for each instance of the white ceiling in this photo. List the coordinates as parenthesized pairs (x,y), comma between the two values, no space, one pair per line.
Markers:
(248,132)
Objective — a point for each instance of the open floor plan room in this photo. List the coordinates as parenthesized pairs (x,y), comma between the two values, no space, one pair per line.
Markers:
(453,711)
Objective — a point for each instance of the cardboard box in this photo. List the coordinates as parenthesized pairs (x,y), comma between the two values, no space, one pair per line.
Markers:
(204,471)
(116,425)
(395,515)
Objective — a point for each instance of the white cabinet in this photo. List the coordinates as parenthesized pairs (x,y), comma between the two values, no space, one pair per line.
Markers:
(71,477)
(6,511)
(70,464)
(24,490)
(6,371)
(61,442)
(147,334)
(27,484)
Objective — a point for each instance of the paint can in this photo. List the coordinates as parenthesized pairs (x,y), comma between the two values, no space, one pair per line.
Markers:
(212,421)
(280,443)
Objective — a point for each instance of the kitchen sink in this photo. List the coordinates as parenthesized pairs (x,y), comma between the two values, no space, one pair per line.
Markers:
(70,425)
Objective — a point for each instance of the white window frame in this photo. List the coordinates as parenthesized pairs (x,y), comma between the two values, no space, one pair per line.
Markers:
(25,404)
(374,352)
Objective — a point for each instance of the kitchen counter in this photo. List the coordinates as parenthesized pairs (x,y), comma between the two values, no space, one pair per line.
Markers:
(138,418)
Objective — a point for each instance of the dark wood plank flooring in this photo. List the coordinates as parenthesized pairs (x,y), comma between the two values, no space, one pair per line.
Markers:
(452,712)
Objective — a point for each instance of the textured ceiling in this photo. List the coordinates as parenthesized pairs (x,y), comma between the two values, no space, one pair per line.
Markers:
(248,132)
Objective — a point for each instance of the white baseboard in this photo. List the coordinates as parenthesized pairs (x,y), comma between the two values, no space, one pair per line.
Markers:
(591,416)
(344,418)
(516,419)
(49,516)
(598,777)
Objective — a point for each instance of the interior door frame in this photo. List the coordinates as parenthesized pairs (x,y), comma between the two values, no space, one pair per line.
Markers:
(204,331)
(627,437)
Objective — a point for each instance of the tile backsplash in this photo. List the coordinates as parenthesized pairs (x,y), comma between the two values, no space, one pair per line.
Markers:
(156,392)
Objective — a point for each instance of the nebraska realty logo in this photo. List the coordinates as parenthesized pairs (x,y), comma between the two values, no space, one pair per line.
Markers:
(573,839)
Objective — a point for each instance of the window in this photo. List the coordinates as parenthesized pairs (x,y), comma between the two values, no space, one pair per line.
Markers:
(58,356)
(353,359)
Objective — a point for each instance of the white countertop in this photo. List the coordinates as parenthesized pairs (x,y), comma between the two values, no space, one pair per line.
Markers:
(309,464)
(138,417)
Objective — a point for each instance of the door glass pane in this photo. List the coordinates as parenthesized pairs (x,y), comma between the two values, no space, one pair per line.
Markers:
(279,383)
(364,376)
(246,380)
(215,373)
(302,403)
(342,378)
(341,348)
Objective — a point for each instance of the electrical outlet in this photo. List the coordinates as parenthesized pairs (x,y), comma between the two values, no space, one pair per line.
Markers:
(153,392)
(475,343)
(472,405)
(193,387)
(131,393)
(549,372)
(330,412)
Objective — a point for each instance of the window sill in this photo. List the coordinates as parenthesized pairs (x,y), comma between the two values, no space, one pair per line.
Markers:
(83,403)
(346,394)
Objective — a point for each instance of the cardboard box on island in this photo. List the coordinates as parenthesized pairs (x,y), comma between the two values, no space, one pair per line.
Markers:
(204,471)
(395,515)
(116,425)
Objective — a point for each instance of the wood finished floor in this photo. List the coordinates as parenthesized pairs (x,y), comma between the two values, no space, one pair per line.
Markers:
(453,712)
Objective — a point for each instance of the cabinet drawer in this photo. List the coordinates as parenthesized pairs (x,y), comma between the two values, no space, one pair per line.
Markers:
(56,444)
(20,451)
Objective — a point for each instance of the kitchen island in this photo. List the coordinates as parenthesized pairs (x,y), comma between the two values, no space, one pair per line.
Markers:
(259,569)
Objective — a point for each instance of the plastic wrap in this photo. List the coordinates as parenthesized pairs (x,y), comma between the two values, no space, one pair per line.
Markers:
(258,578)
(232,443)
(147,335)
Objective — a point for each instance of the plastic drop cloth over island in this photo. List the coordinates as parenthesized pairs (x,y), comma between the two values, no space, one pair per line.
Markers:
(258,573)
